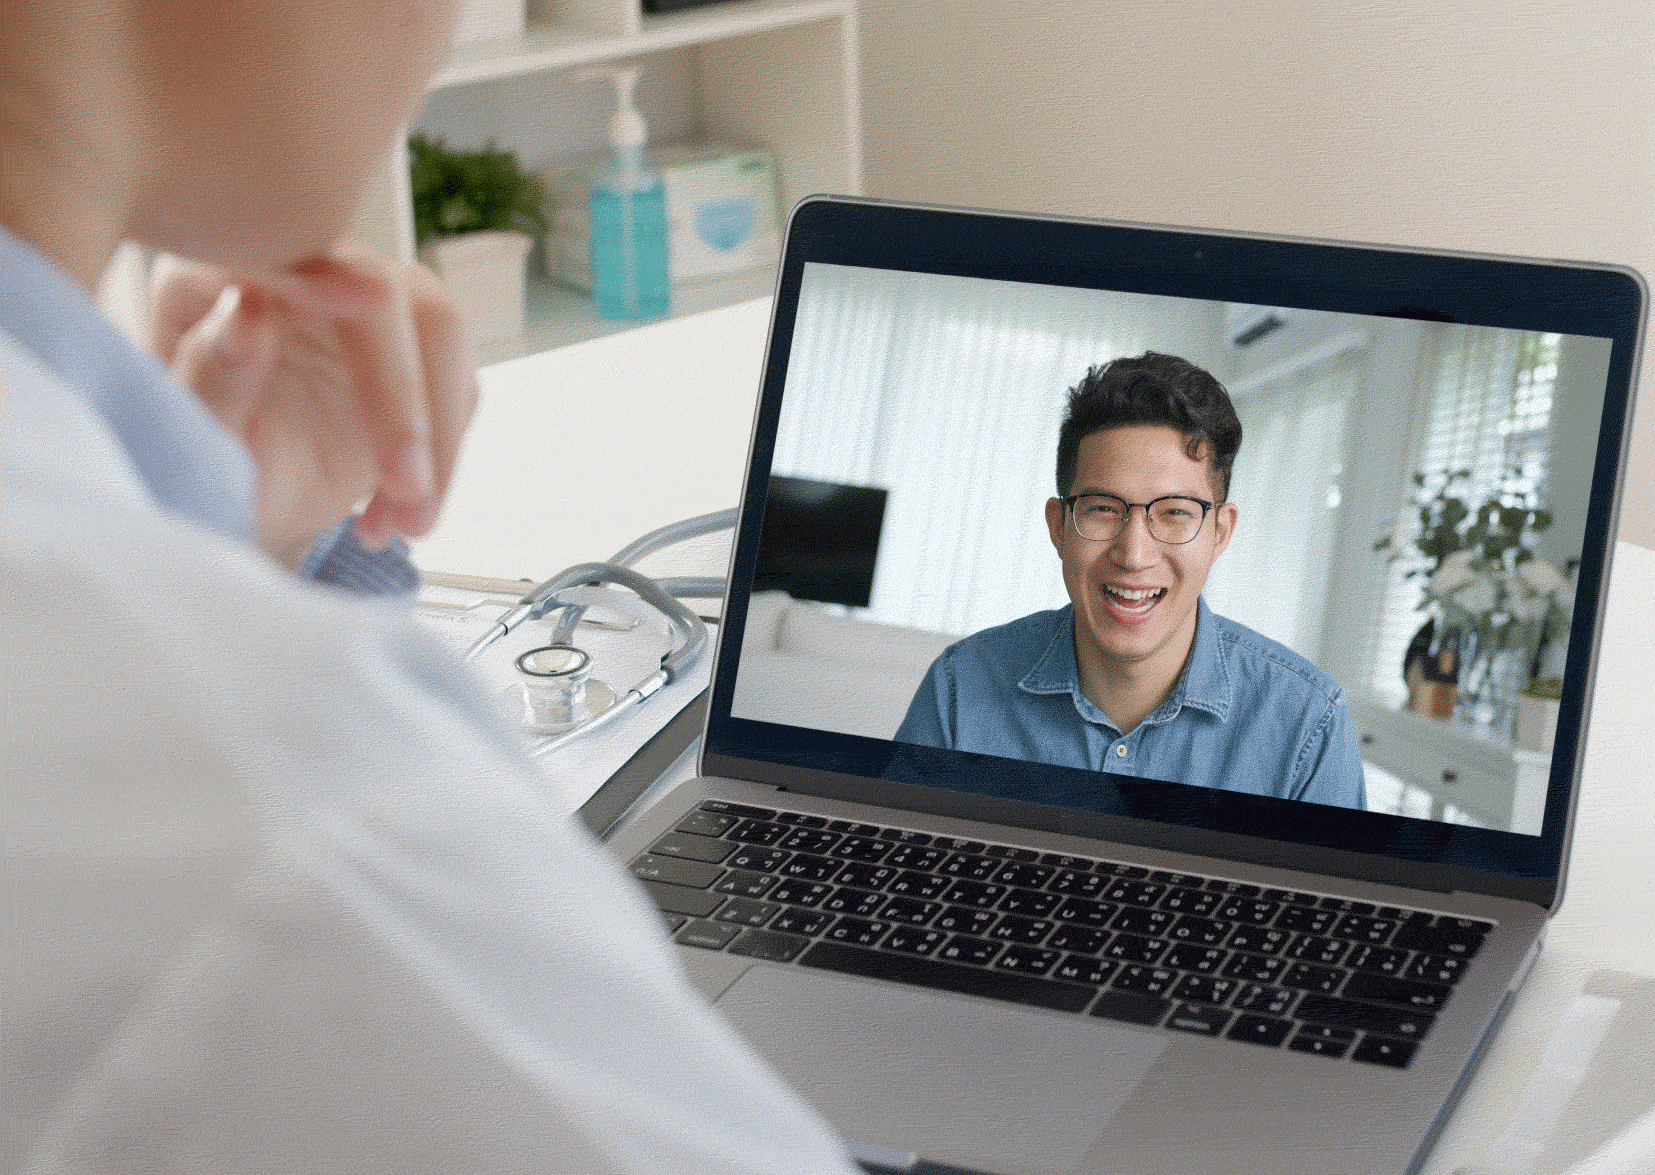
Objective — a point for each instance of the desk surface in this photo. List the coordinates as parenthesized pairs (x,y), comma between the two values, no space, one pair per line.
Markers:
(578,451)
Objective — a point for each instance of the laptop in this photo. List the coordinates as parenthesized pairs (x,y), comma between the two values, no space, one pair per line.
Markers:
(975,948)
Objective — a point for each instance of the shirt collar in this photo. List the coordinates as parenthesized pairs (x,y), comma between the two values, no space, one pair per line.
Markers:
(1205,683)
(188,462)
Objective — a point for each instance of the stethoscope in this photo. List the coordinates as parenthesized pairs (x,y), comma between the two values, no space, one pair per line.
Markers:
(560,698)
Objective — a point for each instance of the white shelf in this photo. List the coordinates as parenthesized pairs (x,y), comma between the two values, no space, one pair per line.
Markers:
(565,44)
(778,73)
(558,316)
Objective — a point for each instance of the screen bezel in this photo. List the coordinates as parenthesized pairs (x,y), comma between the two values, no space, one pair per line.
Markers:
(1513,293)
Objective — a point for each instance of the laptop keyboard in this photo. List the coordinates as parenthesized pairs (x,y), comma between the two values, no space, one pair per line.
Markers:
(1275,968)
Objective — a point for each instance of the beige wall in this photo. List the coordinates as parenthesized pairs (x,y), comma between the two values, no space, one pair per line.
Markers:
(1510,126)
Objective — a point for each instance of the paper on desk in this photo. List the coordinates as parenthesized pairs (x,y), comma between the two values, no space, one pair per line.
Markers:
(458,616)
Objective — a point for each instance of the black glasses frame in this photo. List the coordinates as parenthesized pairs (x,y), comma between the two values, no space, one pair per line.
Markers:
(1126,516)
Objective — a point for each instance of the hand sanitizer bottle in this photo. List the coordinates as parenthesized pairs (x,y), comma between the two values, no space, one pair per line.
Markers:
(628,215)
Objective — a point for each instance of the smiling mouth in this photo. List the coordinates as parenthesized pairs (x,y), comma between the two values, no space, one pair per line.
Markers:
(1132,601)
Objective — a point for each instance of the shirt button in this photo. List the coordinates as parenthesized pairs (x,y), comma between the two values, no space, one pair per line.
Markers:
(1120,750)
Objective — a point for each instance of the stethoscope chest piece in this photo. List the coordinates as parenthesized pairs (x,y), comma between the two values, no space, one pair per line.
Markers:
(556,690)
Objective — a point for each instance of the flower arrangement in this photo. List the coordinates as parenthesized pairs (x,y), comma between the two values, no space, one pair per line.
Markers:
(1482,578)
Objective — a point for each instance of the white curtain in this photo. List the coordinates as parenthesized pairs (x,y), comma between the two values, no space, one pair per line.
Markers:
(948,393)
(1287,484)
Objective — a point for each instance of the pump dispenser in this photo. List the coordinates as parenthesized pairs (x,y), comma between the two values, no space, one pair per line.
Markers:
(628,214)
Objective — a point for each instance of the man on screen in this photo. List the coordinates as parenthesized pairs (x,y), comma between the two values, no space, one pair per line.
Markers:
(1137,675)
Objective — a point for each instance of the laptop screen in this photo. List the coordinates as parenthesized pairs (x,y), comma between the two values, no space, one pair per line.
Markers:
(1280,565)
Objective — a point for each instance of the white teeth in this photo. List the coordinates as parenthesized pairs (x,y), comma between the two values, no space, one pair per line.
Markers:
(1133,593)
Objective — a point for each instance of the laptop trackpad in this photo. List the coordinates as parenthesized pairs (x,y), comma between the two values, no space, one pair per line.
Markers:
(992,1087)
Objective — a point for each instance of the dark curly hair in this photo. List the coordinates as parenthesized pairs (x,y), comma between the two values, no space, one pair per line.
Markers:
(1152,389)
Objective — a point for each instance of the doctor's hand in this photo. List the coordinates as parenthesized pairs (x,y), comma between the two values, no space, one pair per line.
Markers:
(349,380)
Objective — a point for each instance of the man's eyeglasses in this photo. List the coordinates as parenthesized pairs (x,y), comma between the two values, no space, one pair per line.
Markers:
(1172,520)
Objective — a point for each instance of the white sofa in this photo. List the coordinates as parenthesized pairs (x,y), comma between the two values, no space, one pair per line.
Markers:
(803,666)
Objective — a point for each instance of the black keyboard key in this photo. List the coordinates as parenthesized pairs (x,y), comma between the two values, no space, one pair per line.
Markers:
(1400,993)
(975,893)
(1033,903)
(1137,920)
(746,885)
(919,885)
(1030,931)
(1203,1021)
(1073,881)
(801,920)
(1342,1013)
(691,847)
(858,931)
(1130,948)
(962,948)
(1346,906)
(1064,861)
(748,912)
(1235,889)
(1192,957)
(758,832)
(1207,932)
(1376,1050)
(809,868)
(757,858)
(1264,999)
(944,976)
(1135,893)
(915,856)
(966,920)
(795,891)
(1445,937)
(1263,1030)
(1319,1046)
(865,876)
(955,844)
(1305,920)
(1311,948)
(808,840)
(1145,980)
(1309,977)
(1027,960)
(905,836)
(677,899)
(1132,1007)
(1262,940)
(913,911)
(1025,875)
(673,921)
(861,903)
(913,940)
(1248,911)
(746,810)
(1288,895)
(695,874)
(705,824)
(801,821)
(1360,928)
(1167,877)
(1080,939)
(852,828)
(709,936)
(1434,968)
(1196,902)
(1084,912)
(1205,989)
(768,945)
(1380,960)
(1082,969)
(1114,869)
(1255,968)
(972,866)
(862,848)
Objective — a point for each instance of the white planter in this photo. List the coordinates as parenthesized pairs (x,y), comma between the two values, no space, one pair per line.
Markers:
(483,273)
(1536,723)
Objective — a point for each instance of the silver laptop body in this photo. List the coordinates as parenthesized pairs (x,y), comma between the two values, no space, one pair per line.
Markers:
(1143,1062)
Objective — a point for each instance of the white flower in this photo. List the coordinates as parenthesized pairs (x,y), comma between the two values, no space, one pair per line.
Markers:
(1527,607)
(1454,574)
(1540,576)
(1476,595)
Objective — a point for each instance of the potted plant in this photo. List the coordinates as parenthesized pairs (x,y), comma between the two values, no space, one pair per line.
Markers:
(1537,708)
(475,215)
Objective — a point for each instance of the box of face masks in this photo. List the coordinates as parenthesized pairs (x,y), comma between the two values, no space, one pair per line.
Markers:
(721,211)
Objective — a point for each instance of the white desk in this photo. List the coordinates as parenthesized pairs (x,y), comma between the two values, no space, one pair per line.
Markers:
(578,451)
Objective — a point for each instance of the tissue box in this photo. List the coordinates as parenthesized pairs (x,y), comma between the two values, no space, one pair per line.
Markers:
(721,211)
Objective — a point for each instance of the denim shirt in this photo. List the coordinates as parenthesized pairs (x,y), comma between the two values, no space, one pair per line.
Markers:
(1247,714)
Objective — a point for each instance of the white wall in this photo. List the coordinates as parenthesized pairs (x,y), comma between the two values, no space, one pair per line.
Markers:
(1510,126)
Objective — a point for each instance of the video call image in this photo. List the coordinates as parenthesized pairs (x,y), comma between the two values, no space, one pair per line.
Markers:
(1321,557)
